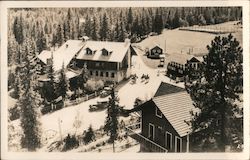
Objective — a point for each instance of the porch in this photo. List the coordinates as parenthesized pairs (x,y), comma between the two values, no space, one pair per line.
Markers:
(147,145)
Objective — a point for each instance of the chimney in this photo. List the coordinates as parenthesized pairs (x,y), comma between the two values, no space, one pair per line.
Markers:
(67,45)
(127,41)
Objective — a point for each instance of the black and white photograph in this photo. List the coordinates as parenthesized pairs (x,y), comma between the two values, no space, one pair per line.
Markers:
(132,79)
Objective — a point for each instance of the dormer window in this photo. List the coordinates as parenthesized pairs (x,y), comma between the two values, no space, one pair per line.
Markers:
(89,51)
(105,52)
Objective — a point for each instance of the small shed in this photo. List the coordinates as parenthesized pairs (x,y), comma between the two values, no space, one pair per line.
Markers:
(155,52)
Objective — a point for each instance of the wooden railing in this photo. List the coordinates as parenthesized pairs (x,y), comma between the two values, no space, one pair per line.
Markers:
(132,130)
(80,99)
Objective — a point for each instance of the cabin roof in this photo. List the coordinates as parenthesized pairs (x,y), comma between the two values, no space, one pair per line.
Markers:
(176,108)
(166,88)
(175,104)
(63,54)
(118,49)
(182,58)
(69,49)
(44,55)
(154,45)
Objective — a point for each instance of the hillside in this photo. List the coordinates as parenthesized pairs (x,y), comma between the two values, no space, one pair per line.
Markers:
(180,41)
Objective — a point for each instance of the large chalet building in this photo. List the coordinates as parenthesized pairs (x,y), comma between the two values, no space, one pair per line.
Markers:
(163,121)
(108,61)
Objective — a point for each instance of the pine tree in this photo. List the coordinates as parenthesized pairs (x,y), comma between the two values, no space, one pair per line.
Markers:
(83,78)
(214,93)
(158,23)
(59,35)
(176,20)
(117,31)
(88,26)
(104,28)
(121,36)
(111,123)
(16,85)
(130,20)
(51,89)
(63,83)
(18,30)
(89,136)
(94,30)
(41,42)
(29,100)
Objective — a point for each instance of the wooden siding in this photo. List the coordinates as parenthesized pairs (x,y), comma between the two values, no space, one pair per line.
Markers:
(149,116)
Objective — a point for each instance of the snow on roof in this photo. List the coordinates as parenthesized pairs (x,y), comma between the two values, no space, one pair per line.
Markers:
(70,74)
(118,49)
(63,54)
(154,45)
(182,58)
(66,52)
(44,55)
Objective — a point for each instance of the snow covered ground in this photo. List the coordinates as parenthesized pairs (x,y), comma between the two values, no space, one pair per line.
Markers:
(64,119)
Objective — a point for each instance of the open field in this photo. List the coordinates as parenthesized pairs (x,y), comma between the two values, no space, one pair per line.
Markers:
(182,41)
(179,41)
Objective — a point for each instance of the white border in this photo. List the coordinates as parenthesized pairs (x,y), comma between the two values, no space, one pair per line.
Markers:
(26,156)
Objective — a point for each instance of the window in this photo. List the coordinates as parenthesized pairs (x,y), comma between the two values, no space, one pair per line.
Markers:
(168,140)
(97,64)
(112,74)
(39,67)
(101,74)
(158,112)
(158,50)
(178,144)
(107,74)
(105,52)
(153,51)
(91,73)
(151,130)
(88,51)
(96,73)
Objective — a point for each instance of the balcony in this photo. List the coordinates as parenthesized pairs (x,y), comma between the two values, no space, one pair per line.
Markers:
(148,145)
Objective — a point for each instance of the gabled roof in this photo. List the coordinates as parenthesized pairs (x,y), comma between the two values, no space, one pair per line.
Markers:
(166,88)
(154,45)
(176,108)
(182,58)
(118,49)
(175,104)
(44,55)
(63,54)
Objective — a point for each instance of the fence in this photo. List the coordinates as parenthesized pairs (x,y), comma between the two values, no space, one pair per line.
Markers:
(211,29)
(81,99)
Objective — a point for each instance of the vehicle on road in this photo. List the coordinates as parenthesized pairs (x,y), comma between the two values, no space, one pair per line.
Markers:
(101,105)
(105,92)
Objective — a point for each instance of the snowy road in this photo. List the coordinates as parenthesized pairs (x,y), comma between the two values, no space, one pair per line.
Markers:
(64,119)
(127,95)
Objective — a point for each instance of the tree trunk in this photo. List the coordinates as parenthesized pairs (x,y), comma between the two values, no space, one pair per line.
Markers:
(114,146)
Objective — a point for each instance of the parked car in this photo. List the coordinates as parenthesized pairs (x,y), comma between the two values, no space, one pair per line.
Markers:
(101,105)
(105,92)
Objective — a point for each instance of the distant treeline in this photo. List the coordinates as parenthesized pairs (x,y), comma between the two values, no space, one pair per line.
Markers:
(49,27)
